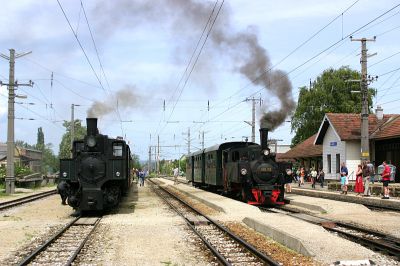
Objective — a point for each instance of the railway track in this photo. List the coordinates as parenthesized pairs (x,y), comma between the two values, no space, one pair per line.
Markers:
(65,245)
(375,240)
(20,201)
(226,247)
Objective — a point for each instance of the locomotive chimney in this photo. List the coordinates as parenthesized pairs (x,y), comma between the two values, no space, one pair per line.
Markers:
(264,138)
(91,124)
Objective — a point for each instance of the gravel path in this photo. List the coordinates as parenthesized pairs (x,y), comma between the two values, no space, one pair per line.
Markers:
(144,231)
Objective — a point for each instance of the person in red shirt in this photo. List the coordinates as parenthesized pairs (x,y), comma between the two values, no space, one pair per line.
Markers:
(385,180)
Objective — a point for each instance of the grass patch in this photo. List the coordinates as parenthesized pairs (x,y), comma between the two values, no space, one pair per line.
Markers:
(168,263)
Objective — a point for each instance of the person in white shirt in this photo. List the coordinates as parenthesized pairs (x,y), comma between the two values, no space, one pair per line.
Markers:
(176,173)
(313,177)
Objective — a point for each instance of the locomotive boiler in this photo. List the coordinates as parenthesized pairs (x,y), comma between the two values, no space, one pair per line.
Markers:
(98,173)
(246,170)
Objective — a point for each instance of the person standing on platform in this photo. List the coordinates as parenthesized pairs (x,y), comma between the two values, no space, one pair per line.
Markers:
(366,175)
(344,172)
(141,177)
(385,180)
(176,173)
(321,177)
(313,177)
(302,175)
(289,180)
(371,166)
(359,187)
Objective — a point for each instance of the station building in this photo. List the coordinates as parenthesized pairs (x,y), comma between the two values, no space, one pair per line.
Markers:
(339,140)
(27,157)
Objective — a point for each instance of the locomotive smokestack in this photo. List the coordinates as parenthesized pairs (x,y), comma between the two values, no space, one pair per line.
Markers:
(264,138)
(91,124)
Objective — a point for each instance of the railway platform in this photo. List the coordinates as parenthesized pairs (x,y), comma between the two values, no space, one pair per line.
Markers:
(323,193)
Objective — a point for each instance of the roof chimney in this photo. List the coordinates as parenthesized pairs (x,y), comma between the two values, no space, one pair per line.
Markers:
(379,112)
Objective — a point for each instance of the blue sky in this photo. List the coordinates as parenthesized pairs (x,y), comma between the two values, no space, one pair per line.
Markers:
(145,46)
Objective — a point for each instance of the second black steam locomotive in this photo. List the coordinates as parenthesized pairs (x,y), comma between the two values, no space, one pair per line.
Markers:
(98,173)
(244,169)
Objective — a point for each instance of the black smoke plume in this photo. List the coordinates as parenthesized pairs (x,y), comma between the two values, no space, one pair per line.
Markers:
(183,18)
(123,99)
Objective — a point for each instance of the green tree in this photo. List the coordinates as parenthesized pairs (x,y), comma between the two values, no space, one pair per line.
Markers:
(50,162)
(65,145)
(136,161)
(23,144)
(40,139)
(330,93)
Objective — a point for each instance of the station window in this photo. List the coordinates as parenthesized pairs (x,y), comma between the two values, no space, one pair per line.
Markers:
(328,158)
(338,163)
(117,149)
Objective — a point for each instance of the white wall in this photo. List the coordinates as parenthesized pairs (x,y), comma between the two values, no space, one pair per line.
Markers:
(353,152)
(332,145)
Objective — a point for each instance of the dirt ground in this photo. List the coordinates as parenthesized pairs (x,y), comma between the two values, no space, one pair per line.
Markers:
(20,225)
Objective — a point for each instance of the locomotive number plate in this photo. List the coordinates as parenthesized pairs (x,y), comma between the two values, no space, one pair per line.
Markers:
(266,169)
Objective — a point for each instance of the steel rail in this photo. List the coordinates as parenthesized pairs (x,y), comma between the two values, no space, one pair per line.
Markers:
(73,257)
(28,259)
(12,203)
(390,245)
(219,256)
(249,247)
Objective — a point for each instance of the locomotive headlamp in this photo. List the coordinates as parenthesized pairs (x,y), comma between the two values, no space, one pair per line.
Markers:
(266,152)
(243,171)
(64,174)
(117,173)
(91,141)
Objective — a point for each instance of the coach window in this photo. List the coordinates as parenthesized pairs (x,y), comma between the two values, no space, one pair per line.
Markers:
(235,156)
(117,149)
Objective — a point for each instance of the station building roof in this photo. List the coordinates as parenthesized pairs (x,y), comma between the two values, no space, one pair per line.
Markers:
(305,149)
(348,126)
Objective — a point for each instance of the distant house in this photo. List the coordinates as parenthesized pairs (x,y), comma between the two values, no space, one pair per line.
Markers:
(339,139)
(24,156)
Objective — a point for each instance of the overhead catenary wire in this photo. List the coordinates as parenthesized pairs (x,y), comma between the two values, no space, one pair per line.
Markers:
(329,47)
(297,48)
(197,57)
(86,56)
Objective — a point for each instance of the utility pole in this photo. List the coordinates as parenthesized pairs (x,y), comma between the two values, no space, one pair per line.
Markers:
(253,118)
(202,140)
(72,126)
(365,80)
(188,140)
(149,163)
(10,178)
(158,154)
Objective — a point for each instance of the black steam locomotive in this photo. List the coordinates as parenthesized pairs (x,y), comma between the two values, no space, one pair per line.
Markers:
(243,169)
(98,173)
